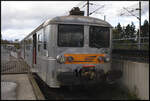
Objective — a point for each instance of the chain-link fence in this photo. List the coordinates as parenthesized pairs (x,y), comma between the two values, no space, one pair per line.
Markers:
(10,62)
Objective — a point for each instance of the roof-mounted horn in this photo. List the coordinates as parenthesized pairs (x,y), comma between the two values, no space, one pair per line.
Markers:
(76,11)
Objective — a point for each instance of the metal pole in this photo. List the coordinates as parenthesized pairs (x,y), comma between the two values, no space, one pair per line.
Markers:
(88,8)
(104,18)
(139,46)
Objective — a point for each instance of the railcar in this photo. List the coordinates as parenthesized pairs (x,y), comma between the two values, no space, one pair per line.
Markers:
(69,50)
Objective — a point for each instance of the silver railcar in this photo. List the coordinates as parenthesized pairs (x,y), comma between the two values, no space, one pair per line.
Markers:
(69,50)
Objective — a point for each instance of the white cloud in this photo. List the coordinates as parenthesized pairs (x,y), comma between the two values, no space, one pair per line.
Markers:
(19,18)
(31,13)
(12,34)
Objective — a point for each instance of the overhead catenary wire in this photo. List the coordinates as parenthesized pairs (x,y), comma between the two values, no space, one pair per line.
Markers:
(97,9)
(130,12)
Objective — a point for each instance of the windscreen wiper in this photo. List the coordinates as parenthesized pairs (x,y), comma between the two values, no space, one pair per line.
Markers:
(95,44)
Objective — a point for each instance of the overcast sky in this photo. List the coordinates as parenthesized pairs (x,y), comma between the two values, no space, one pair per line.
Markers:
(19,18)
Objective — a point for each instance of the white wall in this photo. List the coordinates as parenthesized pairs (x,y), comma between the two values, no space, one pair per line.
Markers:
(135,77)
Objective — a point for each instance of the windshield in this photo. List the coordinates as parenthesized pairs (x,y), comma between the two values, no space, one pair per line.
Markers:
(70,35)
(99,37)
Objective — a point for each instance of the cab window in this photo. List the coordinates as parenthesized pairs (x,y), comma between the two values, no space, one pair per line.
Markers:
(70,35)
(99,37)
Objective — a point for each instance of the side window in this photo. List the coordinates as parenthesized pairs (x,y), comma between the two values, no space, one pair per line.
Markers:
(46,36)
(45,40)
(42,38)
(40,43)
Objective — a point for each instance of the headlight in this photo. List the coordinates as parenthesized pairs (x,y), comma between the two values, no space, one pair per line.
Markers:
(70,58)
(61,59)
(106,59)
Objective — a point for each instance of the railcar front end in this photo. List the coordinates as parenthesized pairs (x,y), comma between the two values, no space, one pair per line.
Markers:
(83,53)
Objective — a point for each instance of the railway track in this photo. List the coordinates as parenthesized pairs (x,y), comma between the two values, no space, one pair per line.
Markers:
(101,91)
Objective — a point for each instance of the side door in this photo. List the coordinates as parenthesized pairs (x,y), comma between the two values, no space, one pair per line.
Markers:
(34,48)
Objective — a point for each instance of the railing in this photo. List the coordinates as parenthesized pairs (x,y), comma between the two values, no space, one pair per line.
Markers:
(11,63)
(132,55)
(131,43)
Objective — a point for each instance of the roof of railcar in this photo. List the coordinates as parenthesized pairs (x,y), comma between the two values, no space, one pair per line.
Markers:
(72,19)
(83,20)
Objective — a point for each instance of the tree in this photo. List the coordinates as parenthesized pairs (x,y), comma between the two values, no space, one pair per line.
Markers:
(117,32)
(123,31)
(127,31)
(130,30)
(145,29)
(5,42)
(16,39)
(119,29)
